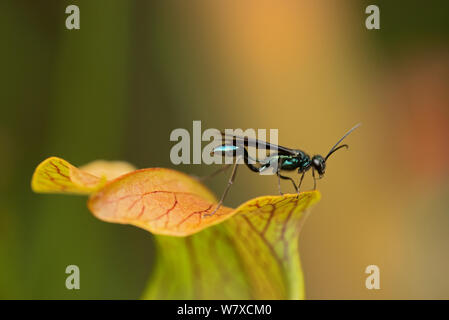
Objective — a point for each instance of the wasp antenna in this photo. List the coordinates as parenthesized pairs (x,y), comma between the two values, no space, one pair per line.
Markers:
(334,148)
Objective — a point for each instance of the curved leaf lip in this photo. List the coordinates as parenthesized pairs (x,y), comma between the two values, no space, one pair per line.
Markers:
(312,195)
(56,175)
(160,200)
(253,206)
(207,194)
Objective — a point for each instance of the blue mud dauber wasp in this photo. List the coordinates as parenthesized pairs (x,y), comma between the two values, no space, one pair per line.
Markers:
(283,159)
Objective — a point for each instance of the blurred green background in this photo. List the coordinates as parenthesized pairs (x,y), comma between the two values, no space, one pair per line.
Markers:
(136,70)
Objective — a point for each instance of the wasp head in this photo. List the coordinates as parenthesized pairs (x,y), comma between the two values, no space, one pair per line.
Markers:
(319,164)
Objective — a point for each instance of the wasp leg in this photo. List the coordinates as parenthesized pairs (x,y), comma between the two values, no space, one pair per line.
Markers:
(230,182)
(279,176)
(314,179)
(279,183)
(300,181)
(288,178)
(213,174)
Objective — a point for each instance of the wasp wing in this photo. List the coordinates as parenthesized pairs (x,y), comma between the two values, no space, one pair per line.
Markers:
(256,143)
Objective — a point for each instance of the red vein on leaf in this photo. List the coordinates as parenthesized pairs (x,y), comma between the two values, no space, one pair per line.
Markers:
(54,181)
(58,170)
(141,212)
(63,164)
(284,227)
(265,240)
(268,221)
(167,212)
(193,213)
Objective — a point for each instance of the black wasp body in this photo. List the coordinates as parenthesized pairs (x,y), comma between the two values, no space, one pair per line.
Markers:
(282,159)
